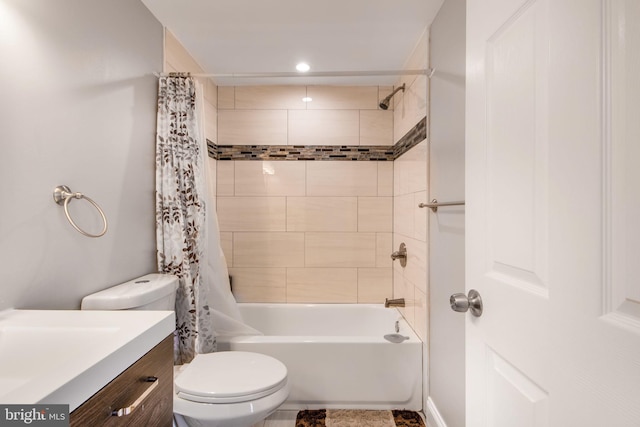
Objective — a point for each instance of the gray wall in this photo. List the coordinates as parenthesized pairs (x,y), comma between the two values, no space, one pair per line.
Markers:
(77,107)
(446,228)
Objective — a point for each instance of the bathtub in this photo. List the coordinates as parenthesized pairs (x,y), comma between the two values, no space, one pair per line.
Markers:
(336,354)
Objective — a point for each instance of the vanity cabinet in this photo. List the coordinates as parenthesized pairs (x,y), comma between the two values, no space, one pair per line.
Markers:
(141,400)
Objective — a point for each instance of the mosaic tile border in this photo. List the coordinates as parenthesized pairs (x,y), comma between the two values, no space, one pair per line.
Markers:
(304,152)
(415,136)
(321,152)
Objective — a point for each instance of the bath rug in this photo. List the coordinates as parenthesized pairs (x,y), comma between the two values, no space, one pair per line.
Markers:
(358,418)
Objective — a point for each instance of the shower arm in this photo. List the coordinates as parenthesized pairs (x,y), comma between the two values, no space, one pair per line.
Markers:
(388,97)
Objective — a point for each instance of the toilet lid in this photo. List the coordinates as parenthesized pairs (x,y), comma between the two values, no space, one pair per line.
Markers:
(229,377)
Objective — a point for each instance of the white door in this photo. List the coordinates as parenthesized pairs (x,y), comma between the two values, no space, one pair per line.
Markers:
(553,213)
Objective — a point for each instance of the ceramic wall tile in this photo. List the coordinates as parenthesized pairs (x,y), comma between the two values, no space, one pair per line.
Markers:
(340,249)
(252,127)
(410,170)
(269,178)
(226,243)
(322,214)
(421,315)
(420,216)
(385,178)
(403,215)
(418,272)
(404,289)
(415,271)
(225,178)
(343,97)
(323,127)
(270,97)
(226,97)
(211,93)
(409,189)
(384,248)
(410,106)
(259,277)
(399,177)
(272,249)
(342,179)
(376,127)
(341,217)
(374,285)
(210,122)
(325,285)
(252,213)
(244,293)
(375,214)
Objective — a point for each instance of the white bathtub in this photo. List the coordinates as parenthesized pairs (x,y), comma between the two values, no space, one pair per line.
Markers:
(336,354)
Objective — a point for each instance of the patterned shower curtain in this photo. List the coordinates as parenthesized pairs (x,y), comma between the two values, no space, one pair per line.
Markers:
(180,212)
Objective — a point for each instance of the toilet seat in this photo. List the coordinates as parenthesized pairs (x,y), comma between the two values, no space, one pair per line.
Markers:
(230,377)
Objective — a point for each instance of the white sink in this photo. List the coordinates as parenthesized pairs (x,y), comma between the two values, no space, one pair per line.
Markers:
(56,356)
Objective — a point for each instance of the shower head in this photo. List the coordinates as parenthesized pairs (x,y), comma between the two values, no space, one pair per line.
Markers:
(384,104)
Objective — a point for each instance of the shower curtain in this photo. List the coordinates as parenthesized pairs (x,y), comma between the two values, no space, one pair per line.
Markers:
(180,213)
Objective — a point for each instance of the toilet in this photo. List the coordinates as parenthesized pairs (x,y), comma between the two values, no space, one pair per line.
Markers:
(228,388)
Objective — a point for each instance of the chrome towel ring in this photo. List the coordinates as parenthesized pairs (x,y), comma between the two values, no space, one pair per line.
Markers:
(62,195)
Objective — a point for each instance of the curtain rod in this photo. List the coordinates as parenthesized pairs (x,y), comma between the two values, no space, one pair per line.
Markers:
(312,74)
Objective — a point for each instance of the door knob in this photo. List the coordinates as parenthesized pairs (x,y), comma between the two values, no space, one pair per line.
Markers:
(463,303)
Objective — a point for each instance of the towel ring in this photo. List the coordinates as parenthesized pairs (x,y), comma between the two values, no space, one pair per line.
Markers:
(62,195)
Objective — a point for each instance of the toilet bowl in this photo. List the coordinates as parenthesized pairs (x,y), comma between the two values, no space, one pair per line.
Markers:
(229,388)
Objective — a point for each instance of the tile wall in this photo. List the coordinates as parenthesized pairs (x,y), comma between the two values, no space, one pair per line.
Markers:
(410,227)
(410,188)
(306,231)
(302,231)
(276,115)
(410,223)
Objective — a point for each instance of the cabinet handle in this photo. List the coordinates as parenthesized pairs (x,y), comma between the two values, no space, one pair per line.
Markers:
(129,409)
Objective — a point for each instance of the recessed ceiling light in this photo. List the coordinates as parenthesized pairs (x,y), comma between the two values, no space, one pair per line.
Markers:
(307,99)
(303,67)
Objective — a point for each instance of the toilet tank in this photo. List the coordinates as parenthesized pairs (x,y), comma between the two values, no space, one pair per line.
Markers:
(151,292)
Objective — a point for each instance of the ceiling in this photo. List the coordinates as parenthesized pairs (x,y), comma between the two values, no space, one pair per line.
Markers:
(272,36)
